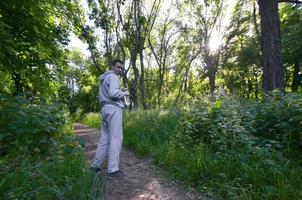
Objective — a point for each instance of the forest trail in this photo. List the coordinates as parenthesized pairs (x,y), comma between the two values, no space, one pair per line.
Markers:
(142,180)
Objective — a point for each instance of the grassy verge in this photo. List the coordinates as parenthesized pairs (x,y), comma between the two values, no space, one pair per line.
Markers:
(40,158)
(61,174)
(238,150)
(92,120)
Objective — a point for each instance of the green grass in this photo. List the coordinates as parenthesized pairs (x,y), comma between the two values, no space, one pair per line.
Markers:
(220,147)
(40,157)
(62,174)
(92,120)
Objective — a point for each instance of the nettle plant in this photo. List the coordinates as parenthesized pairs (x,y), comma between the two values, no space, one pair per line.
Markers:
(218,124)
(229,123)
(280,118)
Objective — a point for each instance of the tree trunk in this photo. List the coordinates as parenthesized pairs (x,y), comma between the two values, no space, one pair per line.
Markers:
(256,83)
(160,83)
(212,76)
(211,71)
(108,53)
(133,55)
(18,84)
(296,78)
(273,69)
(142,80)
(134,84)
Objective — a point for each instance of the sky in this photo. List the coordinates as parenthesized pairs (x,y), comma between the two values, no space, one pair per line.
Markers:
(75,42)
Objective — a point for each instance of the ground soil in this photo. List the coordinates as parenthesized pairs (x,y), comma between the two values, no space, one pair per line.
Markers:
(143,180)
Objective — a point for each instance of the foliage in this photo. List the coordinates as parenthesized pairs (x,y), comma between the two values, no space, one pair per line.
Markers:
(40,158)
(34,34)
(80,89)
(150,122)
(61,174)
(92,120)
(279,118)
(218,146)
(28,126)
(291,44)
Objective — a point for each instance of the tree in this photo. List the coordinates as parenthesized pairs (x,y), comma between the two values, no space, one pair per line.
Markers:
(291,30)
(273,69)
(207,18)
(35,33)
(160,43)
(240,66)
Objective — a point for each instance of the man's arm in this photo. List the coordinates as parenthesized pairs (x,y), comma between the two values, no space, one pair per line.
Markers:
(114,88)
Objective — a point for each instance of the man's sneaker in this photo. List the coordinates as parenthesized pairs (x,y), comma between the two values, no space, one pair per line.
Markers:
(95,169)
(117,174)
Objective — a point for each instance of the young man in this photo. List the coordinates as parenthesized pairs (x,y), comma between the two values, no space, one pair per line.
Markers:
(112,104)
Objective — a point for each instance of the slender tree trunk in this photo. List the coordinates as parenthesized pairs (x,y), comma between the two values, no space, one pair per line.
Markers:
(160,83)
(256,83)
(90,47)
(142,80)
(296,78)
(134,83)
(133,55)
(250,88)
(18,84)
(273,69)
(108,46)
(258,34)
(212,77)
(211,72)
(140,44)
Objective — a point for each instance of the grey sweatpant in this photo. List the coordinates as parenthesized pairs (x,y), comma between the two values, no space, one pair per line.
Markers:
(111,138)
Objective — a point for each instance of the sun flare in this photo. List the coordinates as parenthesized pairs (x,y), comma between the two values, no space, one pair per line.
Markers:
(214,42)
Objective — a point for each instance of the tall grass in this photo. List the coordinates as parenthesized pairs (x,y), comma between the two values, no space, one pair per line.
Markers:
(40,157)
(92,120)
(60,175)
(236,149)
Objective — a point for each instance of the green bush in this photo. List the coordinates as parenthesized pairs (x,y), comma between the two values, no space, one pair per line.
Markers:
(40,158)
(218,146)
(61,174)
(280,118)
(233,147)
(28,126)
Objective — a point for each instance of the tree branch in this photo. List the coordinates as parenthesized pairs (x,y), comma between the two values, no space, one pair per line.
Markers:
(289,1)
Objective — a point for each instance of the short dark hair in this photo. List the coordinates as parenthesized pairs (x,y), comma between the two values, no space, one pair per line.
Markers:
(116,61)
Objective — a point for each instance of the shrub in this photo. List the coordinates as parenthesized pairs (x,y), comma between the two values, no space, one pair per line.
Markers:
(60,174)
(280,118)
(218,146)
(233,147)
(28,126)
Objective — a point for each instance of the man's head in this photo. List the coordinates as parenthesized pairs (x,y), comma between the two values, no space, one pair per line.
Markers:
(117,66)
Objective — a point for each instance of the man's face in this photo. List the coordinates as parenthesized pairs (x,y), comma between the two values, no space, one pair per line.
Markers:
(118,68)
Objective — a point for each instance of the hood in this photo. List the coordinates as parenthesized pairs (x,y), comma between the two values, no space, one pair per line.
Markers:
(103,76)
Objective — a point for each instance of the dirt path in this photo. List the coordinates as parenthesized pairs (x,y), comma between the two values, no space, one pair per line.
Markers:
(142,181)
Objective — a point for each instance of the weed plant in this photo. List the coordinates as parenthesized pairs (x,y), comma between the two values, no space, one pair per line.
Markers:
(235,148)
(40,157)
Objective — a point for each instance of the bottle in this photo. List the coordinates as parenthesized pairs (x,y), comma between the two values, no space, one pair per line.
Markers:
(127,100)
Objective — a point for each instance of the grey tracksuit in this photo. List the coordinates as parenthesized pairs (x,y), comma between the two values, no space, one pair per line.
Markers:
(111,100)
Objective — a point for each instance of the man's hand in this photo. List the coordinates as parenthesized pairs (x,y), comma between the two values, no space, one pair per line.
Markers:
(127,93)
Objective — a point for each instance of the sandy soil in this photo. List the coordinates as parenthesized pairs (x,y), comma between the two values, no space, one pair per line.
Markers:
(143,180)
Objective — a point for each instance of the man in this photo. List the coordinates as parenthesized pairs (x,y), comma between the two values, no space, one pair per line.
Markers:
(111,100)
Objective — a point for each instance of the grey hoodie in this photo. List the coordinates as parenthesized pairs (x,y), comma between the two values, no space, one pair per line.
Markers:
(110,90)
